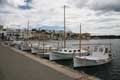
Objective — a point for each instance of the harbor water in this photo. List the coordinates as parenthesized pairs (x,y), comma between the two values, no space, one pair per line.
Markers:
(110,71)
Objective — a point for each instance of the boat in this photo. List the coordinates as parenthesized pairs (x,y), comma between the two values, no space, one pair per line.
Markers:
(40,49)
(34,48)
(43,51)
(67,53)
(97,56)
(17,44)
(14,42)
(26,45)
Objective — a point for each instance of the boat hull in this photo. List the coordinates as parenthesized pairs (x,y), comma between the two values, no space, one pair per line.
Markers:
(40,52)
(25,48)
(77,62)
(17,46)
(58,56)
(35,50)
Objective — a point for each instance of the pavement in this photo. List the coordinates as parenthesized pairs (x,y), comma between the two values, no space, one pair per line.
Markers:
(14,66)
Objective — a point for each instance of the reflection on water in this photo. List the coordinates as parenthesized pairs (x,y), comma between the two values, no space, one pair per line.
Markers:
(110,71)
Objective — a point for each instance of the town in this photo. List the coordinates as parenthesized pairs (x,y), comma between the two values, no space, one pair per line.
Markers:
(34,34)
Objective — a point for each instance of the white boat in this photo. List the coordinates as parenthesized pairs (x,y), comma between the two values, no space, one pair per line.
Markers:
(22,45)
(34,48)
(40,49)
(14,42)
(66,53)
(25,46)
(17,44)
(98,56)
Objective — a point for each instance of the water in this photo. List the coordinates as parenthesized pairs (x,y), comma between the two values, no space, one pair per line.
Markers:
(110,71)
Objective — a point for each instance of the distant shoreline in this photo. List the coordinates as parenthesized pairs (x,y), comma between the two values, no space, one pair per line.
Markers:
(105,37)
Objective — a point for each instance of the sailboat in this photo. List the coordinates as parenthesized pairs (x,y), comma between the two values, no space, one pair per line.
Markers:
(35,48)
(42,48)
(25,45)
(66,53)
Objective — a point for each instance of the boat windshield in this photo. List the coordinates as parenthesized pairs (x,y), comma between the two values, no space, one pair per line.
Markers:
(106,50)
(95,49)
(100,49)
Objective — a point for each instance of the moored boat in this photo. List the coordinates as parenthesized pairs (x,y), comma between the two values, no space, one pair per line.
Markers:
(40,49)
(66,53)
(98,56)
(25,46)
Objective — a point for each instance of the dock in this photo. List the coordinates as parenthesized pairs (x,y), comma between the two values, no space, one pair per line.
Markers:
(19,65)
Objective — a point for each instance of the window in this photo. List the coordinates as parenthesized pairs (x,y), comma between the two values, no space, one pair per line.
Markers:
(100,49)
(60,50)
(95,49)
(78,50)
(70,51)
(106,50)
(74,50)
(65,50)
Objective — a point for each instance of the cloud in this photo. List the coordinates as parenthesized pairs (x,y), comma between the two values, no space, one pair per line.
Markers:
(93,14)
(104,5)
(104,20)
(98,5)
(78,3)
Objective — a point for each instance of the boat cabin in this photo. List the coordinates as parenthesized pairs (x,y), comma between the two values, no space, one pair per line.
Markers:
(71,51)
(100,51)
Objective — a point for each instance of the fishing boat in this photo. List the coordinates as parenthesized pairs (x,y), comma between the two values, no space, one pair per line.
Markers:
(16,43)
(34,48)
(40,49)
(66,53)
(43,51)
(97,56)
(26,45)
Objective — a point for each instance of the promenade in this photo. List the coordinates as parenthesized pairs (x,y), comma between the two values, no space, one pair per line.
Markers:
(14,66)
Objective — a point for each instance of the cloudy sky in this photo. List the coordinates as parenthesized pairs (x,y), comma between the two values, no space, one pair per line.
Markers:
(97,17)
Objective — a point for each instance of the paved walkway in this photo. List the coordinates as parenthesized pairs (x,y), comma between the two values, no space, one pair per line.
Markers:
(14,66)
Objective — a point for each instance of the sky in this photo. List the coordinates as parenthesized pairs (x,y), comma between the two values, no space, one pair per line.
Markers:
(98,17)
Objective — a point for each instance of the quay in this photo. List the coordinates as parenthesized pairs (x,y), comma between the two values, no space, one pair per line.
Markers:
(18,65)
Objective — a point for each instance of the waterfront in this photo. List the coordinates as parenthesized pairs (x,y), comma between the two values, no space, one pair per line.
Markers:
(109,71)
(21,65)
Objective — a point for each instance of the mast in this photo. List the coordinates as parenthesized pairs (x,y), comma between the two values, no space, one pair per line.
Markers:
(28,31)
(80,38)
(39,38)
(64,27)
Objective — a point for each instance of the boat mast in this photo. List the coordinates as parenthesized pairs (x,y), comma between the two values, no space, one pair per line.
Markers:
(64,27)
(28,31)
(80,38)
(39,38)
